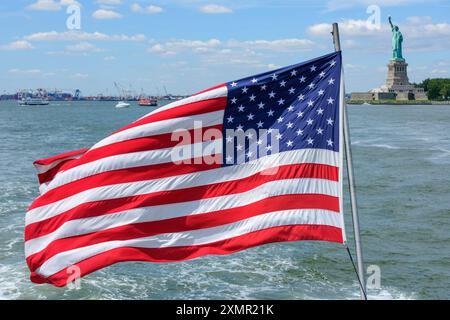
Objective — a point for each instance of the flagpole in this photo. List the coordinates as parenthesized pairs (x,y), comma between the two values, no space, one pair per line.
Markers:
(351,178)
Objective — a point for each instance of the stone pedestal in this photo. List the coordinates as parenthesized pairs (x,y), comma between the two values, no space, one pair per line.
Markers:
(397,77)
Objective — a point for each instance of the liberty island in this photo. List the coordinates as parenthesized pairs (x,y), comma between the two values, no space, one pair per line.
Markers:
(397,86)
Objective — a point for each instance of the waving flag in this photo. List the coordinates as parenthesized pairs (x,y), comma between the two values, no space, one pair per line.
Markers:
(249,162)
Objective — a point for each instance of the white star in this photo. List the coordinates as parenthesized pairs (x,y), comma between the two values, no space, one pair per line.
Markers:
(241,108)
(272,94)
(229,159)
(269,147)
(283,83)
(310,103)
(249,135)
(299,132)
(230,119)
(330,142)
(321,91)
(261,105)
(260,124)
(239,147)
(280,102)
(289,125)
(301,97)
(311,85)
(310,141)
(249,154)
(291,90)
(244,90)
(279,136)
(239,128)
(310,121)
(289,143)
(229,139)
(250,116)
(259,142)
(270,130)
(322,74)
(293,73)
(330,100)
(233,101)
(302,79)
(254,80)
(299,114)
(319,131)
(280,119)
(233,84)
(313,68)
(270,113)
(331,81)
(252,97)
(291,108)
(333,63)
(263,88)
(330,121)
(274,76)
(320,111)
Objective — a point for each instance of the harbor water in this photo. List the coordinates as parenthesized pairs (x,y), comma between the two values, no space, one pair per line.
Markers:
(401,156)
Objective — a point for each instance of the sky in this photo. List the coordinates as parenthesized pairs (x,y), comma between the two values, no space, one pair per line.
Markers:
(190,45)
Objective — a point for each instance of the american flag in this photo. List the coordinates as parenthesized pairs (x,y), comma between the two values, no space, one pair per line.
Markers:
(249,162)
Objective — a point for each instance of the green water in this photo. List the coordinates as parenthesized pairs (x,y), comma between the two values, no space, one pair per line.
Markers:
(402,166)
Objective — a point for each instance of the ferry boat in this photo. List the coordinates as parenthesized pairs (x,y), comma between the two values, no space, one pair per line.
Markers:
(33,102)
(146,102)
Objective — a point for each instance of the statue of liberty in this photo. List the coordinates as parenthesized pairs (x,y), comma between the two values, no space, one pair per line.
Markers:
(397,40)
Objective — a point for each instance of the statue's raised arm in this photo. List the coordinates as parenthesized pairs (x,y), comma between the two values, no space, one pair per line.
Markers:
(390,22)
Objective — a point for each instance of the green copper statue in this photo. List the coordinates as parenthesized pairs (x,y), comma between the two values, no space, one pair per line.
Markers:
(397,39)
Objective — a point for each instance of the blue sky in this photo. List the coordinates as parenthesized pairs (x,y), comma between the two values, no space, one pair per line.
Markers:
(188,45)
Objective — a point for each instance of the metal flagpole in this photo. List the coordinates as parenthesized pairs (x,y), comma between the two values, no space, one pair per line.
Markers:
(351,179)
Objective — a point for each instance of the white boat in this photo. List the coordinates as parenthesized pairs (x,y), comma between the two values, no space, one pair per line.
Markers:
(33,102)
(122,104)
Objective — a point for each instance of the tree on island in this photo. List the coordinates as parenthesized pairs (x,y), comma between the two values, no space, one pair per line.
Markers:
(437,88)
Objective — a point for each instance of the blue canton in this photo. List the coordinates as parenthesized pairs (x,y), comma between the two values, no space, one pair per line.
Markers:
(301,102)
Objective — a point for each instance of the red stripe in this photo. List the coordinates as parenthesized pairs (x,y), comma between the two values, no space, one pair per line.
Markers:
(192,222)
(159,171)
(51,173)
(136,145)
(96,208)
(185,110)
(50,160)
(228,246)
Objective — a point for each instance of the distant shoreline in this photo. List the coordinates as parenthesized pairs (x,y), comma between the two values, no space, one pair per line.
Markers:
(395,102)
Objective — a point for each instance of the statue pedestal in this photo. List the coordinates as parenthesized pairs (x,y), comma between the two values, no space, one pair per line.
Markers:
(397,77)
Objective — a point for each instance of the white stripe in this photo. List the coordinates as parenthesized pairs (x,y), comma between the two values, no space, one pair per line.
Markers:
(175,210)
(223,174)
(195,237)
(42,168)
(163,126)
(134,159)
(212,94)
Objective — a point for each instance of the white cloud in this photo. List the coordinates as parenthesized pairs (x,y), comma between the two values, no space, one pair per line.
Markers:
(215,9)
(50,5)
(83,47)
(81,36)
(80,75)
(136,7)
(215,46)
(105,14)
(110,2)
(109,58)
(17,45)
(24,71)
